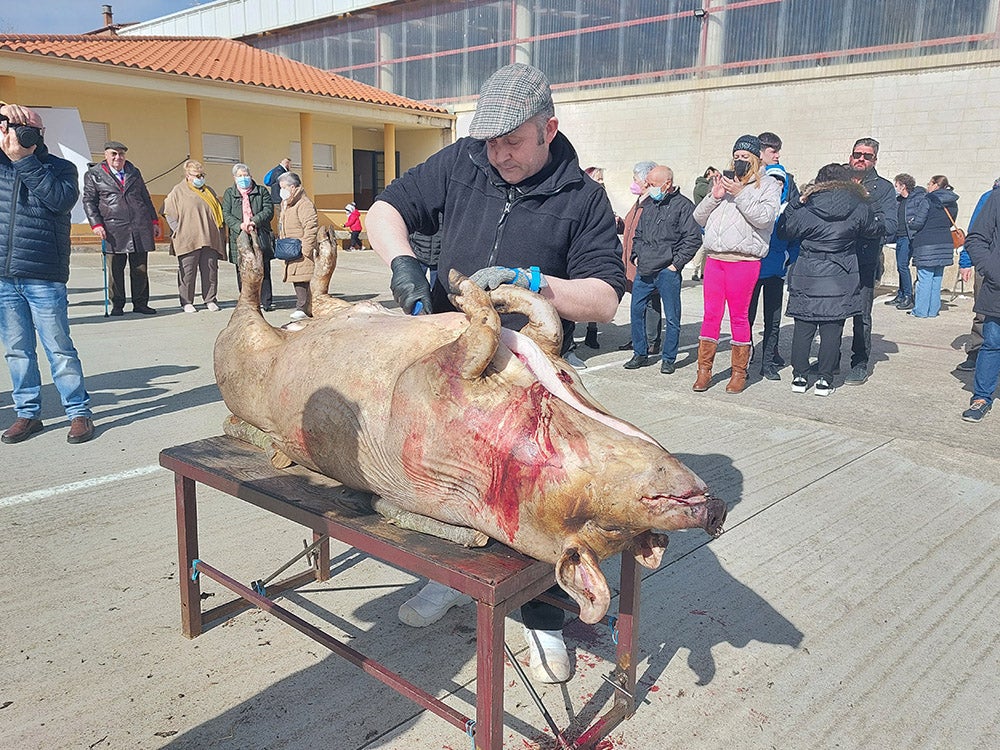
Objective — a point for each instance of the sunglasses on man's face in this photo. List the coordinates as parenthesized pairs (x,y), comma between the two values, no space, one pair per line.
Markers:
(863,155)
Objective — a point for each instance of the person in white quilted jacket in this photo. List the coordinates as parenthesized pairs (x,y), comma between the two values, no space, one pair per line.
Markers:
(738,215)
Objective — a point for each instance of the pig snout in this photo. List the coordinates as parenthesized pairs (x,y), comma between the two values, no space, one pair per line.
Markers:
(715,515)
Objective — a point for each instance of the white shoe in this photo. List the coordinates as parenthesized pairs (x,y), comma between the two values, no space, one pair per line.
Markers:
(298,315)
(549,659)
(822,388)
(575,361)
(189,308)
(430,604)
(213,307)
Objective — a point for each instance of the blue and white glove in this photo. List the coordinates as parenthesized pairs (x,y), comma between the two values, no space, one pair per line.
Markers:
(492,277)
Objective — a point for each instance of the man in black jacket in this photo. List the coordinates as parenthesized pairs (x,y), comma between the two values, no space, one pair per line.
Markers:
(513,207)
(37,193)
(666,238)
(983,246)
(121,213)
(882,196)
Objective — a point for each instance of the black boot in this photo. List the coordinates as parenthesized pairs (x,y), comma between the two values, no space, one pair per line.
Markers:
(591,339)
(895,300)
(905,304)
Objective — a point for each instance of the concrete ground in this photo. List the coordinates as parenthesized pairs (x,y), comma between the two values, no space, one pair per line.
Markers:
(851,603)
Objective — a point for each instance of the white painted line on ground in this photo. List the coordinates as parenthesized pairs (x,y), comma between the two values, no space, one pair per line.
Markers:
(27,497)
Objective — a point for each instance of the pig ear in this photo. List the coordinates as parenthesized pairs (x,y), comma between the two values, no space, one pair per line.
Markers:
(579,574)
(648,548)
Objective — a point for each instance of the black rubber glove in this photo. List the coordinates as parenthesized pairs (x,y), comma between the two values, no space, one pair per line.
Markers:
(409,284)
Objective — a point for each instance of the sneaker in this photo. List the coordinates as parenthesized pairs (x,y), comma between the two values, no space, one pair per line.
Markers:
(799,384)
(770,372)
(430,604)
(625,347)
(978,409)
(905,304)
(190,309)
(969,365)
(298,315)
(81,429)
(857,376)
(637,361)
(575,361)
(22,429)
(823,387)
(667,368)
(894,301)
(547,655)
(214,307)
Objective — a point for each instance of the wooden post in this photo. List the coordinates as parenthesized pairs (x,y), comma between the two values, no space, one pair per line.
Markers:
(306,140)
(187,551)
(195,147)
(389,148)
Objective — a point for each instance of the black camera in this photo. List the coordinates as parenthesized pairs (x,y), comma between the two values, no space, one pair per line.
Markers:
(27,135)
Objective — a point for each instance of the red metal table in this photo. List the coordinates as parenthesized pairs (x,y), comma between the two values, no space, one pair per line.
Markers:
(496,577)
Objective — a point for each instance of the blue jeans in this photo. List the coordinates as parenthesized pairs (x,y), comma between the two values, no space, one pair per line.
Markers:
(27,306)
(668,284)
(927,302)
(988,361)
(903,266)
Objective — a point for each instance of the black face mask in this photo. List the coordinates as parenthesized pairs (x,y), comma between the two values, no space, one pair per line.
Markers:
(741,167)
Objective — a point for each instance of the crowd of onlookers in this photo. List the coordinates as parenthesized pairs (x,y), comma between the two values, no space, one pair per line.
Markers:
(750,233)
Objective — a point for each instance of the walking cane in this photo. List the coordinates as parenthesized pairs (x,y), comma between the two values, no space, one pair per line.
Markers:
(104,270)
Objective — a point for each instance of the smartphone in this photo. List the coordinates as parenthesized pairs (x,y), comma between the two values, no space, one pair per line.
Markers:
(729,173)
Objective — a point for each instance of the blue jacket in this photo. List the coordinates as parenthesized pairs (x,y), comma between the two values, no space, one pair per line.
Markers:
(37,194)
(782,253)
(964,261)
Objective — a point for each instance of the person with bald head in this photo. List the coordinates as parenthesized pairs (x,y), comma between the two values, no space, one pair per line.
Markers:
(37,193)
(666,238)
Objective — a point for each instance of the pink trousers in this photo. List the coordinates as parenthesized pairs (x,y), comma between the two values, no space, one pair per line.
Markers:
(728,283)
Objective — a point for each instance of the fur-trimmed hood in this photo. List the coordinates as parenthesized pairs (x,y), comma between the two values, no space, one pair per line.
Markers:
(834,201)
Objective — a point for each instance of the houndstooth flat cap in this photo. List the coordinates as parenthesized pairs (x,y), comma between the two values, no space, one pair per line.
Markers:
(509,98)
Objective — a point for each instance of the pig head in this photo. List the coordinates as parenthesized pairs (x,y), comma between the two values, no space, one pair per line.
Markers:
(453,417)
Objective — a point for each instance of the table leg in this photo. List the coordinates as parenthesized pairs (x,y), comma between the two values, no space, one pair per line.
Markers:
(489,677)
(322,557)
(628,627)
(187,551)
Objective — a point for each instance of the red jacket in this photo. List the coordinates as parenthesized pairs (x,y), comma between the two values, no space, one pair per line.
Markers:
(354,221)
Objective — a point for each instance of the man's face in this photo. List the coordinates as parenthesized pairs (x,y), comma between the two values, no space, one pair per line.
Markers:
(770,155)
(862,158)
(115,159)
(519,155)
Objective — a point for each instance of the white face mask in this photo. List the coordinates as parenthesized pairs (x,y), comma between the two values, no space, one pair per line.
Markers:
(285,194)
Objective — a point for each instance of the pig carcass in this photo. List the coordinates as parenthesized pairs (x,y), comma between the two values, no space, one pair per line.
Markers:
(453,417)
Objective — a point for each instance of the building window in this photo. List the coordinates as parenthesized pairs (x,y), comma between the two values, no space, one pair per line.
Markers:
(97,136)
(221,149)
(324,156)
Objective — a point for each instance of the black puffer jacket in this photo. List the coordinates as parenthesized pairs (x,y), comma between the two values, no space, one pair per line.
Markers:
(829,222)
(666,234)
(932,245)
(126,213)
(557,220)
(37,194)
(983,246)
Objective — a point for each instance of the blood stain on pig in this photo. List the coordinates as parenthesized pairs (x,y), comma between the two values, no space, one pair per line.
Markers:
(515,445)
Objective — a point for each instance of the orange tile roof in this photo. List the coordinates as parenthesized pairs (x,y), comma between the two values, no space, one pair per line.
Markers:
(205,57)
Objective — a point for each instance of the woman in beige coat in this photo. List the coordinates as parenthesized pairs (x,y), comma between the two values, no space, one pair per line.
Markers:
(298,219)
(194,214)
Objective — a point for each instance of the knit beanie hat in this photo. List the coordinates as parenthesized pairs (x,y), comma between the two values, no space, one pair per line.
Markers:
(749,143)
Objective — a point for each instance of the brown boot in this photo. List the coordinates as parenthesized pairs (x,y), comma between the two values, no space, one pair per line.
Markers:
(706,356)
(741,359)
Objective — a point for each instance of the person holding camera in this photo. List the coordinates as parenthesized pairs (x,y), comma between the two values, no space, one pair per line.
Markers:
(37,194)
(738,215)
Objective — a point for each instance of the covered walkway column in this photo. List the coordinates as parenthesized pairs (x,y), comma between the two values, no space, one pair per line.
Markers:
(195,146)
(713,36)
(8,89)
(389,149)
(306,140)
(522,29)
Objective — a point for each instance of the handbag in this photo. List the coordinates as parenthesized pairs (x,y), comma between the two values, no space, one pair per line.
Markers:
(957,235)
(288,248)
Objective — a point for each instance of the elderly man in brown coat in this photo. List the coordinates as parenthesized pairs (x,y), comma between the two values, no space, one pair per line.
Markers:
(121,213)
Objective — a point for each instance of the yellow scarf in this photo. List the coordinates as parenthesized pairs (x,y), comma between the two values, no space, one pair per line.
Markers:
(213,203)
